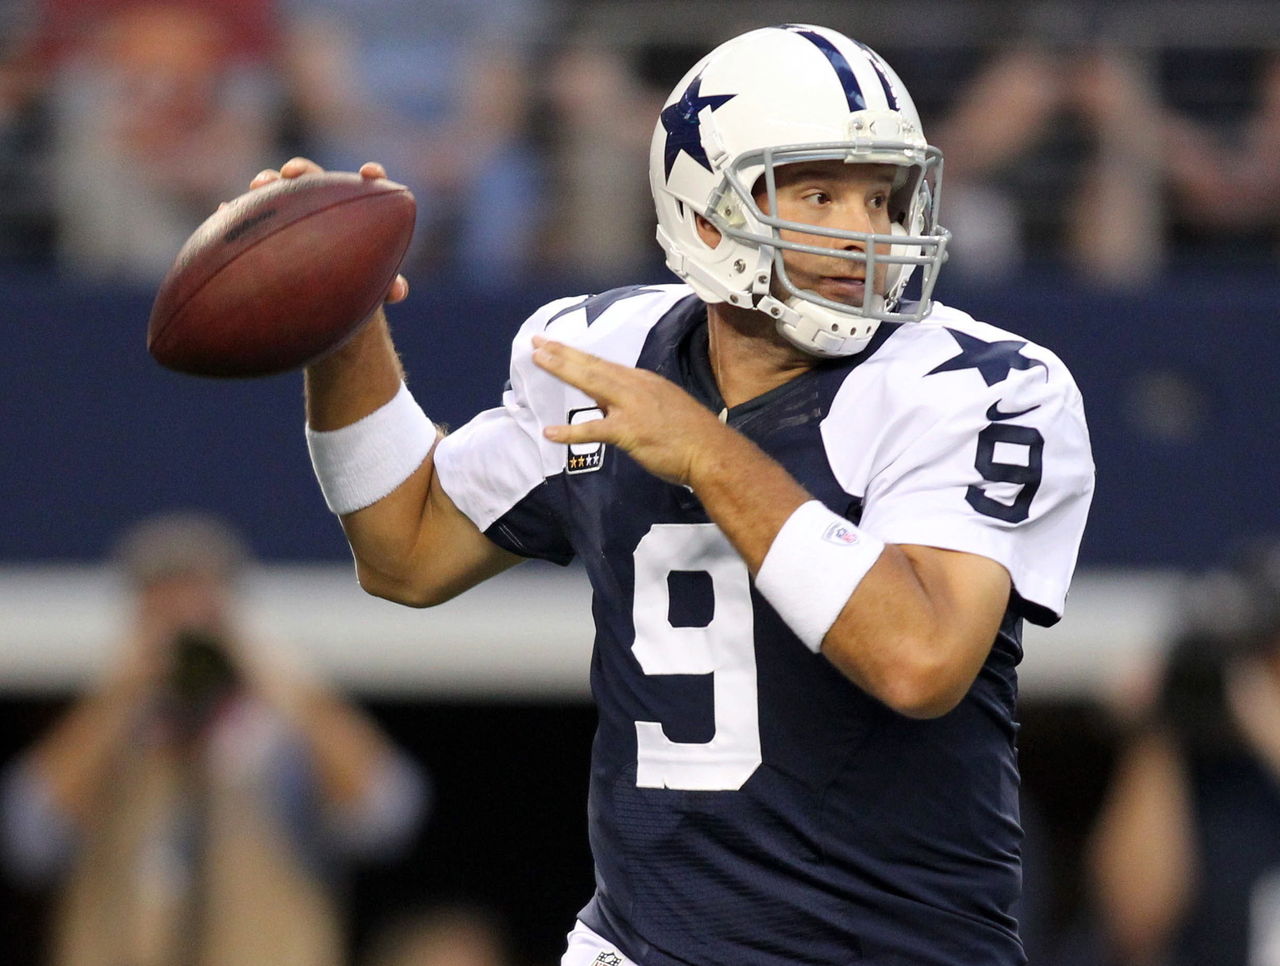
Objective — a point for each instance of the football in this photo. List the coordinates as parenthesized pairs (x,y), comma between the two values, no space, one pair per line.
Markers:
(281,276)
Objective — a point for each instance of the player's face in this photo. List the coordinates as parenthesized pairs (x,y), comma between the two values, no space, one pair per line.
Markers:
(832,194)
(184,601)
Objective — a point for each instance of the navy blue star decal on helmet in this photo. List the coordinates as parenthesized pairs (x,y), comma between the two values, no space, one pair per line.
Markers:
(680,120)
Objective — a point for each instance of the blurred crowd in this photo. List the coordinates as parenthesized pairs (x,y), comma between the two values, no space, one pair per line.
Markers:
(521,125)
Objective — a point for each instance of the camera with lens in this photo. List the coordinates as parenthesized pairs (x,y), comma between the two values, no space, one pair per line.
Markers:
(203,674)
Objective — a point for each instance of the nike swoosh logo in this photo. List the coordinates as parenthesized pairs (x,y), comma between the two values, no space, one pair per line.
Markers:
(995,415)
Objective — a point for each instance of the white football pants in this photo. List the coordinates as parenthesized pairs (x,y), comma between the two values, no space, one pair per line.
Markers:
(587,948)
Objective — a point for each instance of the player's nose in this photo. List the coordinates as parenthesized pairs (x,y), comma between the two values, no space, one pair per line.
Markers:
(855,218)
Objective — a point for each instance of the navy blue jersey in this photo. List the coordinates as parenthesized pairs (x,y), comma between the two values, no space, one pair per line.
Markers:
(749,804)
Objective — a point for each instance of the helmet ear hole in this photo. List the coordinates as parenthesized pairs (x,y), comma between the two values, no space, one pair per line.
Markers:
(707,232)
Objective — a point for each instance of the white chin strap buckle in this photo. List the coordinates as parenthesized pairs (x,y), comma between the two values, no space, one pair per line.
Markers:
(817,329)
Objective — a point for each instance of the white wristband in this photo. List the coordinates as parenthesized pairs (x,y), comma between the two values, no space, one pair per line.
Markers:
(359,464)
(812,568)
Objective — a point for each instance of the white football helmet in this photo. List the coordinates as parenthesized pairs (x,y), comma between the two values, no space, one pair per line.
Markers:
(777,96)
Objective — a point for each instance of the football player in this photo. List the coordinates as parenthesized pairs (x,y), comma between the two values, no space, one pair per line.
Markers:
(814,513)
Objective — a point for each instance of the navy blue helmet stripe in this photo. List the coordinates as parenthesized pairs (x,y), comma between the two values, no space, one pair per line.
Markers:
(852,89)
(884,78)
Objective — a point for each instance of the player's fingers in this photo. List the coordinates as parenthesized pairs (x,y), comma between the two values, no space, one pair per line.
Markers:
(292,168)
(372,169)
(399,290)
(592,431)
(597,377)
(265,176)
(298,166)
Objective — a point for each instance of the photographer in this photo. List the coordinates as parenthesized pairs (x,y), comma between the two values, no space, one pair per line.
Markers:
(1185,859)
(195,806)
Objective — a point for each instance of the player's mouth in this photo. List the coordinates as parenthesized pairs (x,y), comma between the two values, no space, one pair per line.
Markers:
(841,288)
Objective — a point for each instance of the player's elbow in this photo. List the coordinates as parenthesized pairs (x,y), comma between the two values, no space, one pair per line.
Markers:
(918,683)
(921,687)
(922,697)
(410,591)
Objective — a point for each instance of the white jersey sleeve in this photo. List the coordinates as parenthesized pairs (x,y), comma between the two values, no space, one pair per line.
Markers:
(498,458)
(961,436)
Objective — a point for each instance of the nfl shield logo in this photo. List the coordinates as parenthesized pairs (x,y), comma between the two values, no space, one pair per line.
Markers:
(841,534)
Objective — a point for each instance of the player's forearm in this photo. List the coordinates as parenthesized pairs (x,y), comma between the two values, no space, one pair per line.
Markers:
(384,536)
(372,448)
(913,631)
(747,493)
(895,639)
(908,633)
(345,387)
(352,382)
(874,641)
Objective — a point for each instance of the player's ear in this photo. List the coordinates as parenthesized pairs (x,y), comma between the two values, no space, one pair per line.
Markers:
(708,232)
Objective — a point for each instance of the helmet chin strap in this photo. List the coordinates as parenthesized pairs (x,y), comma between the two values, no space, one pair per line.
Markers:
(819,330)
(810,327)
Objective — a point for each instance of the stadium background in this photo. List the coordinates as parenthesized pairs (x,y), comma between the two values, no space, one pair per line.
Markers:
(1178,375)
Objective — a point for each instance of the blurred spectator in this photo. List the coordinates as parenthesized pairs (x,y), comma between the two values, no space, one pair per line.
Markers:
(156,109)
(26,218)
(1225,176)
(124,122)
(198,804)
(1070,144)
(439,91)
(450,935)
(603,100)
(1052,147)
(1186,855)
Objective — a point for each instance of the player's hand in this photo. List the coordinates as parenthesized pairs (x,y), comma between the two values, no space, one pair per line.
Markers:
(663,428)
(296,167)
